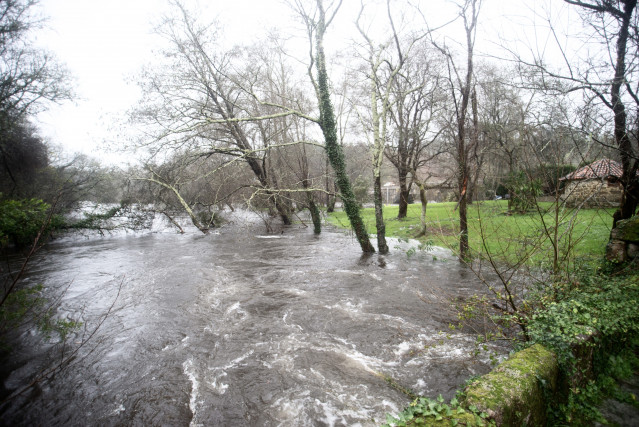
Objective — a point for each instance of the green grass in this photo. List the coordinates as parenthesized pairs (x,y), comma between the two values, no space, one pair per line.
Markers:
(505,236)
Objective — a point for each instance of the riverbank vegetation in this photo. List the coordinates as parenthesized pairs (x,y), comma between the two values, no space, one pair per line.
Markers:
(592,332)
(578,305)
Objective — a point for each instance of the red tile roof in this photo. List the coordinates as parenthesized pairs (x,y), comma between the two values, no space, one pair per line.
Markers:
(603,168)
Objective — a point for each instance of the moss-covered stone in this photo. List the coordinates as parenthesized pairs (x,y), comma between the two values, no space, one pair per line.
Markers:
(515,392)
(466,419)
(627,229)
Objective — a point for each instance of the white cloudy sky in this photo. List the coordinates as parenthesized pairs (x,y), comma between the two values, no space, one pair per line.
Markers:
(105,43)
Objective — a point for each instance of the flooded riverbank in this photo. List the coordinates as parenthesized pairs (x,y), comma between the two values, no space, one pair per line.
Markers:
(244,328)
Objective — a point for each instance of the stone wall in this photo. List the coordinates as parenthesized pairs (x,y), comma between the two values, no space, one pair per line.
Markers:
(593,193)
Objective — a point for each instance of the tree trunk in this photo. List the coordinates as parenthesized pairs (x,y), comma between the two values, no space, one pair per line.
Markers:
(630,195)
(331,204)
(282,208)
(422,218)
(182,202)
(173,221)
(463,227)
(330,196)
(260,171)
(382,247)
(191,214)
(462,181)
(378,157)
(333,149)
(403,195)
(462,152)
(315,216)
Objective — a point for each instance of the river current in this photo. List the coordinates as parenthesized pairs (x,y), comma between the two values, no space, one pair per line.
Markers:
(240,327)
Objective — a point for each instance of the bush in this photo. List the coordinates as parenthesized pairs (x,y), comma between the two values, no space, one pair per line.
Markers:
(523,192)
(600,303)
(21,220)
(360,189)
(603,307)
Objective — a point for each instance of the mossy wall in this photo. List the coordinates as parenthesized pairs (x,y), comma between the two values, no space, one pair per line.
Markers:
(514,393)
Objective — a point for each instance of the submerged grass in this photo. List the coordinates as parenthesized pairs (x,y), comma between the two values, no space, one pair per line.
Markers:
(492,229)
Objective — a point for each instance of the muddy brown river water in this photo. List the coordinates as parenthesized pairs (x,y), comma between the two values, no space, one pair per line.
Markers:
(241,328)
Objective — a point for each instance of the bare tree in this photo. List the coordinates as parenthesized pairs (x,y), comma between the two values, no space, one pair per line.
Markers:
(215,102)
(415,141)
(463,93)
(29,77)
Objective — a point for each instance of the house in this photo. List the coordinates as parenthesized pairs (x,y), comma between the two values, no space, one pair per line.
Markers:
(595,185)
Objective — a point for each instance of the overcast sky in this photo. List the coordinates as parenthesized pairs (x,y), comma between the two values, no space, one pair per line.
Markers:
(104,44)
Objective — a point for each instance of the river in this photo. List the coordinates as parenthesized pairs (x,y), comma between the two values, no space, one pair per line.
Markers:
(240,327)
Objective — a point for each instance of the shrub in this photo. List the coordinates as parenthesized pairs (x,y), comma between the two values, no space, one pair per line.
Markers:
(523,192)
(21,220)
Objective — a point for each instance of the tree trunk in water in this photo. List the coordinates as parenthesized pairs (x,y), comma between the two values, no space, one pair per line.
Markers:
(282,209)
(192,216)
(174,222)
(382,247)
(315,216)
(186,206)
(333,149)
(273,197)
(462,153)
(463,229)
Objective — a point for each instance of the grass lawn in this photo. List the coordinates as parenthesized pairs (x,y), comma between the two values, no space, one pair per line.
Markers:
(505,236)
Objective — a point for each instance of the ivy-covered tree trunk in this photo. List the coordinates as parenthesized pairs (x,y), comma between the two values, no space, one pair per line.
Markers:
(621,86)
(315,216)
(330,186)
(333,149)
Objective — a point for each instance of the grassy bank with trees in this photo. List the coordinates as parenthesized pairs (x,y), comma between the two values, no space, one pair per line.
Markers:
(492,227)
